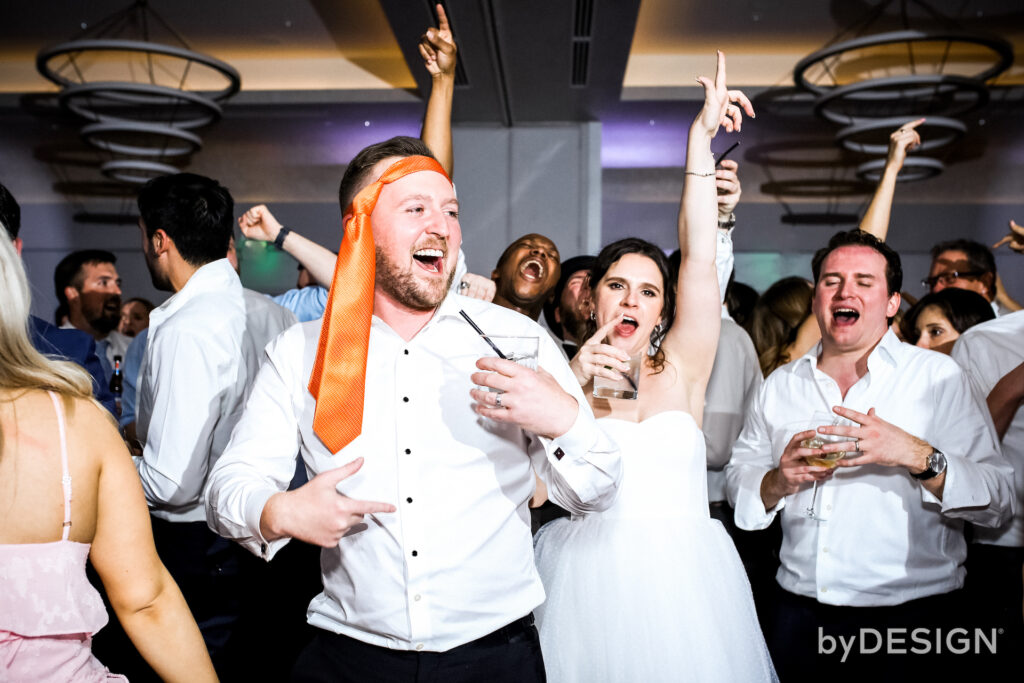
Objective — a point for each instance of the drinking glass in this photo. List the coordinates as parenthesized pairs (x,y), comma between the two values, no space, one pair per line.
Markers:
(830,460)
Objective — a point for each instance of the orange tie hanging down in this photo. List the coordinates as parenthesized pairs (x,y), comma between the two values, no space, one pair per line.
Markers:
(339,372)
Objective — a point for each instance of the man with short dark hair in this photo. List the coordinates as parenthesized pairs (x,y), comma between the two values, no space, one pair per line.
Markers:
(526,274)
(198,364)
(964,264)
(445,580)
(72,345)
(87,285)
(883,533)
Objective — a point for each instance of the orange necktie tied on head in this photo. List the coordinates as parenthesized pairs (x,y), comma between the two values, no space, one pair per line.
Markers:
(339,372)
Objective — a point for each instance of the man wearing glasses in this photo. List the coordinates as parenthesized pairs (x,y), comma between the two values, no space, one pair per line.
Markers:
(966,264)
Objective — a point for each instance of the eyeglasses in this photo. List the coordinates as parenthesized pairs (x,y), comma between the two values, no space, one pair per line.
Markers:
(949,277)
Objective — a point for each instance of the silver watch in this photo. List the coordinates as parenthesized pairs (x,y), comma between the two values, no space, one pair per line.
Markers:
(936,466)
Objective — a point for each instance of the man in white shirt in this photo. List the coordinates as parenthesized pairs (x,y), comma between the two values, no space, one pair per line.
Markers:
(440,576)
(198,364)
(87,285)
(924,459)
(992,354)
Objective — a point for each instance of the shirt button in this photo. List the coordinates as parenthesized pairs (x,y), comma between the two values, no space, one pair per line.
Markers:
(824,589)
(414,553)
(405,399)
(416,597)
(828,507)
(263,548)
(824,550)
(419,646)
(406,352)
(408,500)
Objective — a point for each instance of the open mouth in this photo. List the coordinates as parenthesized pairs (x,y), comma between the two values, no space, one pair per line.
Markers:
(430,260)
(626,326)
(845,316)
(532,270)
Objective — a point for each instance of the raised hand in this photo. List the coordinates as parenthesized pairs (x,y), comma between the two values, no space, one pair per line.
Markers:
(437,47)
(902,140)
(1015,239)
(729,190)
(259,224)
(595,358)
(317,512)
(531,399)
(719,108)
(477,287)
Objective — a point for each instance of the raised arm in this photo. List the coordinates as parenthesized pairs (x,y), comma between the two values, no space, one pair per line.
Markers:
(437,47)
(902,140)
(259,224)
(698,303)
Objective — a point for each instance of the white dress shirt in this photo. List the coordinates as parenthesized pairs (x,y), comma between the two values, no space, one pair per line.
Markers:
(735,379)
(191,388)
(988,352)
(887,539)
(455,562)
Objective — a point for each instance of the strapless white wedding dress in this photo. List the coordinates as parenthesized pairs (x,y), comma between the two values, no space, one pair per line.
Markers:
(651,589)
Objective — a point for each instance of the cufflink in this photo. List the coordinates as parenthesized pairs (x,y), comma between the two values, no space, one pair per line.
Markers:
(559,453)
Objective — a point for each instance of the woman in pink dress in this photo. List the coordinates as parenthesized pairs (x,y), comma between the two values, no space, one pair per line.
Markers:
(69,492)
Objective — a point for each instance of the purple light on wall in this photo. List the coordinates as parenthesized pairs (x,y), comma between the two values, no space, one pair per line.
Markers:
(646,134)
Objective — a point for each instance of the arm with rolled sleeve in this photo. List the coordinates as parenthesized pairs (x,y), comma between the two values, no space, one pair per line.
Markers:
(259,461)
(751,460)
(582,468)
(979,480)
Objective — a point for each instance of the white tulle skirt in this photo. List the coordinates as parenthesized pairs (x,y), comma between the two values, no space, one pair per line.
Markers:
(647,600)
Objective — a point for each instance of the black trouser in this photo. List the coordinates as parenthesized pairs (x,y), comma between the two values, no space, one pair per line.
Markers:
(995,590)
(222,584)
(926,639)
(509,655)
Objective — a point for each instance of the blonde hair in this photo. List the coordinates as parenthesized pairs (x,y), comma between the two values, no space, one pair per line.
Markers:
(21,365)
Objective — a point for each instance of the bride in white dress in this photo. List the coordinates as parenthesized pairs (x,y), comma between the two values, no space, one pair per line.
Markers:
(653,589)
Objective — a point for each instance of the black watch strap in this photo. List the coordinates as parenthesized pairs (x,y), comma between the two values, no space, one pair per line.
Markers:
(279,240)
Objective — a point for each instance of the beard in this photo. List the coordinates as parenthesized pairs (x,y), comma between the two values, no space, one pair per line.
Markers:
(403,287)
(573,325)
(98,314)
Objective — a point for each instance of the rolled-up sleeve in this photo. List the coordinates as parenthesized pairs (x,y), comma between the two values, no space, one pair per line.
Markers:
(979,479)
(259,460)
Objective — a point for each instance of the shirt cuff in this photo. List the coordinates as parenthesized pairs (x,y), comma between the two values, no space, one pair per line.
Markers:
(568,452)
(750,513)
(258,545)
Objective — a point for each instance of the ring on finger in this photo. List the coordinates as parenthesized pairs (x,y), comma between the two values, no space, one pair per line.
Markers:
(497,401)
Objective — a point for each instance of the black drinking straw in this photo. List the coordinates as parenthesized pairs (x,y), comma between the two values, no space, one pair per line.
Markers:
(481,333)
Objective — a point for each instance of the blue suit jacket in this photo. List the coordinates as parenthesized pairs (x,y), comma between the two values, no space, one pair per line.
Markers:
(77,347)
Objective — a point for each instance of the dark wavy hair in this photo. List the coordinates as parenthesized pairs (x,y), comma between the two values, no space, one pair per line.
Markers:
(634,245)
(963,309)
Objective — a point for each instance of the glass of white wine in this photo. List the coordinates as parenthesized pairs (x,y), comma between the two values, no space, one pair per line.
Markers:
(829,459)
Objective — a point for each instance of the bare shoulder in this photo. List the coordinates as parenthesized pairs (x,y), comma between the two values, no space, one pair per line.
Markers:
(92,430)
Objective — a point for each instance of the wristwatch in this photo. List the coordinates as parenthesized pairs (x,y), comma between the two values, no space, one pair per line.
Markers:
(727,223)
(936,466)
